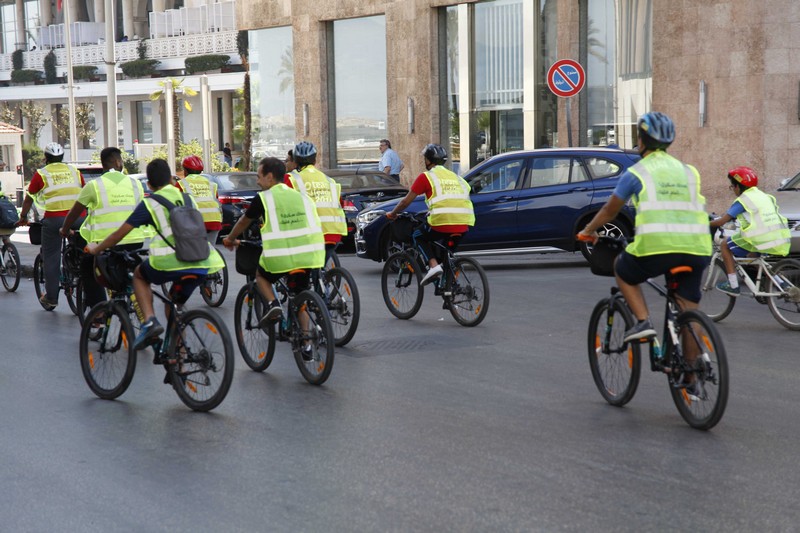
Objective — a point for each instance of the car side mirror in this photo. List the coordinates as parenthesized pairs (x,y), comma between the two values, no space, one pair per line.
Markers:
(783,183)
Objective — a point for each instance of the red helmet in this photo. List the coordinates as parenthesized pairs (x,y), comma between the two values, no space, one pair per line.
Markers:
(192,164)
(744,175)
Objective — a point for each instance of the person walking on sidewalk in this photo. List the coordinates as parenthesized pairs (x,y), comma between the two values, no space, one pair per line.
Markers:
(390,162)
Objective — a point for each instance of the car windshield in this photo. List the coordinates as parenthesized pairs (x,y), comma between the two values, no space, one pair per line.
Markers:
(364,181)
(236,181)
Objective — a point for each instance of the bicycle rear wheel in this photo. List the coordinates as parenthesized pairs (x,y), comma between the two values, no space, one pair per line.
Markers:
(215,287)
(715,303)
(10,272)
(400,284)
(38,278)
(786,307)
(469,301)
(71,288)
(316,363)
(333,261)
(203,348)
(256,344)
(108,359)
(699,336)
(616,366)
(344,304)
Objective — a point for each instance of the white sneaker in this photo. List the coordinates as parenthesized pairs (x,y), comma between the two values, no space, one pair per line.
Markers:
(432,274)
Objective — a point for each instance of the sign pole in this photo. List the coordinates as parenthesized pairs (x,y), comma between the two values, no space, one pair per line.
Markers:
(569,122)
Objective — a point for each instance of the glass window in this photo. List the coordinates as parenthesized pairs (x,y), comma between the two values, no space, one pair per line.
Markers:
(555,171)
(144,120)
(451,105)
(600,72)
(547,54)
(502,176)
(359,50)
(602,168)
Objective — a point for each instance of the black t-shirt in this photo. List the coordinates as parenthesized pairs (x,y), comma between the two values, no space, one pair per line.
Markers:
(226,151)
(256,209)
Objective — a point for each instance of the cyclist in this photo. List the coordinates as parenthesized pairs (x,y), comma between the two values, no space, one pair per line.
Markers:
(163,265)
(110,200)
(449,205)
(763,229)
(324,191)
(291,167)
(205,194)
(56,186)
(671,222)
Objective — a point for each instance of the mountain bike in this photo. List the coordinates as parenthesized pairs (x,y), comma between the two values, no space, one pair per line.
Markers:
(69,279)
(337,288)
(691,353)
(463,285)
(196,352)
(214,288)
(9,264)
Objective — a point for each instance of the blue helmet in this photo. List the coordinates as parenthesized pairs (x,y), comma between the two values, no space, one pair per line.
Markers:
(658,127)
(304,149)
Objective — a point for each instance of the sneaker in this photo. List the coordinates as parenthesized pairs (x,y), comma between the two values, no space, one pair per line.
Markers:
(274,313)
(96,331)
(725,286)
(432,274)
(47,304)
(643,330)
(307,353)
(149,332)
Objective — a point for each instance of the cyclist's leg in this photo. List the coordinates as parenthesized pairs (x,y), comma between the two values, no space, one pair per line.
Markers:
(51,256)
(688,295)
(630,272)
(264,281)
(93,292)
(424,236)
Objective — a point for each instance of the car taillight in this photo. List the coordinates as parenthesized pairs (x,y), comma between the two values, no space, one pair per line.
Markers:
(347,205)
(230,200)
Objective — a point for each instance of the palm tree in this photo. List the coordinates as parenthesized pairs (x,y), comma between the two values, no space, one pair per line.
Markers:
(243,47)
(178,88)
(286,72)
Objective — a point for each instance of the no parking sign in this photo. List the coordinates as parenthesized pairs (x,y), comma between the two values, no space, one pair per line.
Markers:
(566,78)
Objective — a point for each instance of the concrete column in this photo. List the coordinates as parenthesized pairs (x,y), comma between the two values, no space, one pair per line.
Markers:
(129,117)
(99,11)
(159,6)
(127,19)
(45,12)
(21,43)
(100,113)
(227,119)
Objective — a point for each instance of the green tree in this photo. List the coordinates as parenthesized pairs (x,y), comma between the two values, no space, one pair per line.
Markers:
(286,72)
(180,92)
(84,122)
(193,147)
(243,47)
(9,114)
(35,115)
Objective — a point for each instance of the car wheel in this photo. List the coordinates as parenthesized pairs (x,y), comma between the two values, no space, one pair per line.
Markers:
(615,228)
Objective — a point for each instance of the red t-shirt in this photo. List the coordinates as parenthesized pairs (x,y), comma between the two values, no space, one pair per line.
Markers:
(330,238)
(423,186)
(210,226)
(37,184)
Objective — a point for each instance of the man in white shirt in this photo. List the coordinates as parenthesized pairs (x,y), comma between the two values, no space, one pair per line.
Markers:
(390,162)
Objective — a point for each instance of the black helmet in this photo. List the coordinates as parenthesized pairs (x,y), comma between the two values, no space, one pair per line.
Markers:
(434,152)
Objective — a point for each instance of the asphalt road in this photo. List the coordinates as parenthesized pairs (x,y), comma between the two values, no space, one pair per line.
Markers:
(423,426)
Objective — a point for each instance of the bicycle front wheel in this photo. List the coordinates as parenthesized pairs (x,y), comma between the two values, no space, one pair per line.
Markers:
(256,344)
(469,301)
(785,306)
(400,284)
(344,304)
(10,271)
(38,278)
(715,303)
(705,362)
(203,350)
(616,365)
(312,337)
(215,287)
(108,359)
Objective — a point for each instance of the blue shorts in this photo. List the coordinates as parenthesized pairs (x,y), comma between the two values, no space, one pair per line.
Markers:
(184,282)
(635,270)
(737,250)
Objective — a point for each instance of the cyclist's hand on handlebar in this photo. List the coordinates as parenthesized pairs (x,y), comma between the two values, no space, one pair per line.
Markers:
(230,244)
(65,232)
(91,248)
(585,236)
(391,216)
(23,221)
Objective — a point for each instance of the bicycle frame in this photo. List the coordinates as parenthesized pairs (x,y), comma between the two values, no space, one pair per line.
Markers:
(764,271)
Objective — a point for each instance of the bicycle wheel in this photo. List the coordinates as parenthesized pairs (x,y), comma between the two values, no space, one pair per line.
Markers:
(699,336)
(715,303)
(10,271)
(38,278)
(108,359)
(469,301)
(785,306)
(203,348)
(344,305)
(316,363)
(616,367)
(333,261)
(215,287)
(256,345)
(71,288)
(400,284)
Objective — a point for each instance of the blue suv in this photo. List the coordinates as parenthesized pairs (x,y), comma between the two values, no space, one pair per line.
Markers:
(526,201)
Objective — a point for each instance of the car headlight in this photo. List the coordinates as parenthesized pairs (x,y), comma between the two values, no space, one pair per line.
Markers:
(365,218)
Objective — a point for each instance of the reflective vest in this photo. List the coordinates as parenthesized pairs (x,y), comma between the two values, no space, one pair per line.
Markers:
(62,185)
(291,235)
(449,203)
(670,211)
(115,203)
(162,255)
(205,194)
(325,193)
(766,231)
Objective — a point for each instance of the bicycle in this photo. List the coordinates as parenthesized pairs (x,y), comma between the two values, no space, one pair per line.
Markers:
(463,285)
(775,283)
(690,353)
(257,344)
(9,263)
(69,279)
(214,288)
(338,290)
(196,352)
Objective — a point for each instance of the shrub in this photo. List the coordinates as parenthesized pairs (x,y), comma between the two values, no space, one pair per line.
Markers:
(32,160)
(50,74)
(206,63)
(84,72)
(16,60)
(25,75)
(139,68)
(129,161)
(141,49)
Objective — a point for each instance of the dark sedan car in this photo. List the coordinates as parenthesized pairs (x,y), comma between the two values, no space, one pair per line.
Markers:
(235,189)
(526,201)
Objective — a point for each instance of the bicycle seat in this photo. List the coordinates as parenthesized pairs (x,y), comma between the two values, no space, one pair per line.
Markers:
(680,270)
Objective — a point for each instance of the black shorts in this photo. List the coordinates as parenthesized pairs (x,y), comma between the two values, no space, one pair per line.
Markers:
(184,282)
(297,282)
(635,270)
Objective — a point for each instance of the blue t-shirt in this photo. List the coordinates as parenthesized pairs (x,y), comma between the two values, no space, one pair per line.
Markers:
(392,160)
(141,216)
(736,209)
(627,186)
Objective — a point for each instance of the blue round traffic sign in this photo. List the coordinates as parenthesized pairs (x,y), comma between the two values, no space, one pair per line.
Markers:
(566,78)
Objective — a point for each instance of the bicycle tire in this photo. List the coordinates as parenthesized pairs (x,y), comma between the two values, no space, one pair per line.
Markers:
(38,279)
(786,307)
(11,269)
(400,285)
(203,348)
(333,261)
(712,375)
(715,303)
(616,373)
(469,301)
(215,287)
(108,360)
(70,289)
(319,336)
(344,304)
(256,345)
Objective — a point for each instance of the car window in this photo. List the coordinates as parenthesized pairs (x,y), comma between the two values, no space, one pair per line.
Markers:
(501,176)
(601,167)
(556,170)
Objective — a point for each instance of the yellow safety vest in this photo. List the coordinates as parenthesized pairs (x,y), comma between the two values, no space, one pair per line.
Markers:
(62,185)
(449,203)
(205,194)
(115,203)
(291,235)
(325,193)
(766,231)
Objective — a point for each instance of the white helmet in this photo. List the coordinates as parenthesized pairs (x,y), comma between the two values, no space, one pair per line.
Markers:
(54,149)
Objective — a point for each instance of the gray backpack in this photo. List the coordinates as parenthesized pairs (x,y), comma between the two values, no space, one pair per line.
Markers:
(188,229)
